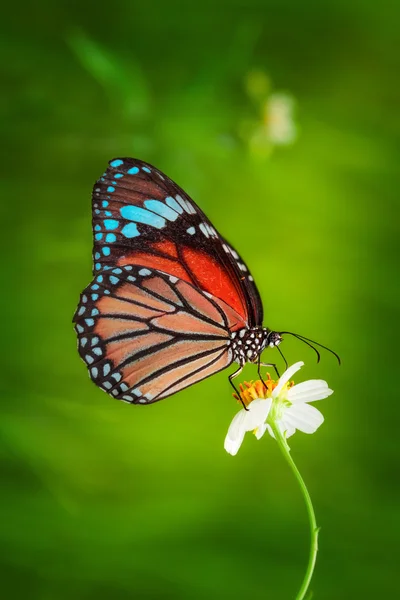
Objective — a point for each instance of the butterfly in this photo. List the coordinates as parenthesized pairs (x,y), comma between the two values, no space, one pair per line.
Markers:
(171,301)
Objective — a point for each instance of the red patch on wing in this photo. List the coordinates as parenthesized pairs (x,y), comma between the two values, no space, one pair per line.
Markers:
(213,278)
(207,273)
(167,248)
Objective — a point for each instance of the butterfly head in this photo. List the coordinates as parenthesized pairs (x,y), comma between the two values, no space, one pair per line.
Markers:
(273,338)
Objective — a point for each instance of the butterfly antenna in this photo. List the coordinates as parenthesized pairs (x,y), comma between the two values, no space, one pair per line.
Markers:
(309,342)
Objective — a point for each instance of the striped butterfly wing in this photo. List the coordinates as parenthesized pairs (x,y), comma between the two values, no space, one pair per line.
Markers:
(145,334)
(141,217)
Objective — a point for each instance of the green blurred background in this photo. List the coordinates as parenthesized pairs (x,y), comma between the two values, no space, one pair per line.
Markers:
(281,120)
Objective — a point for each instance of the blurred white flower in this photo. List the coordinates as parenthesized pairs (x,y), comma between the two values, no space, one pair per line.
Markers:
(279,119)
(275,122)
(281,402)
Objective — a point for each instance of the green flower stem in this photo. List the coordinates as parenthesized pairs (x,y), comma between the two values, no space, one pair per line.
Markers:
(314,529)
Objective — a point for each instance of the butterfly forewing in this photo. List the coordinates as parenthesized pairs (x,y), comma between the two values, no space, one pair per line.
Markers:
(141,217)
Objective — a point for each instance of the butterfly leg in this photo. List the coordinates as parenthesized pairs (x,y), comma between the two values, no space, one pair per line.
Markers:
(261,364)
(230,377)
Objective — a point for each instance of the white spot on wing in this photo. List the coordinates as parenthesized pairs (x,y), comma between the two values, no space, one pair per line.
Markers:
(191,208)
(204,229)
(183,203)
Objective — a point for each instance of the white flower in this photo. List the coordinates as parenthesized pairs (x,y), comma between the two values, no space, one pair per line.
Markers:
(246,420)
(279,119)
(285,404)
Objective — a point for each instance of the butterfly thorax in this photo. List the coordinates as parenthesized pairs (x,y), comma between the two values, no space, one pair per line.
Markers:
(248,343)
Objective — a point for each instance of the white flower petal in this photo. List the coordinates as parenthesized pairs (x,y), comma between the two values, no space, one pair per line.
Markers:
(309,391)
(261,429)
(304,417)
(286,377)
(271,433)
(289,431)
(232,445)
(246,420)
(257,413)
(237,425)
(286,429)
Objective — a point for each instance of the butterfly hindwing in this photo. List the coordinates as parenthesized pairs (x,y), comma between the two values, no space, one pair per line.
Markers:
(142,217)
(145,334)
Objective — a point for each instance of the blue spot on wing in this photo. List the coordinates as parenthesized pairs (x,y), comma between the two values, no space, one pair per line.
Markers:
(98,236)
(111,224)
(110,189)
(160,208)
(140,215)
(116,163)
(146,169)
(106,369)
(130,230)
(106,251)
(133,171)
(111,237)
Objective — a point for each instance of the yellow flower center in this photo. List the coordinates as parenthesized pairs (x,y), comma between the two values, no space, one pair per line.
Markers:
(251,390)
